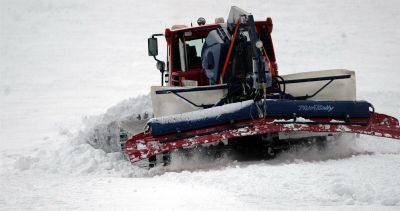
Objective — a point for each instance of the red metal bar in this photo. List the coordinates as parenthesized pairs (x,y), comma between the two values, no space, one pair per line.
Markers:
(144,145)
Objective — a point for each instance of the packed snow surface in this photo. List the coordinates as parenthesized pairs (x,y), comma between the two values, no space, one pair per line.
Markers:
(69,65)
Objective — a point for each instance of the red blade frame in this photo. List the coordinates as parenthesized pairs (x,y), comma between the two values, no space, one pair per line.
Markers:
(144,145)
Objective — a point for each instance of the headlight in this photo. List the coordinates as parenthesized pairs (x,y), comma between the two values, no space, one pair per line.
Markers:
(259,44)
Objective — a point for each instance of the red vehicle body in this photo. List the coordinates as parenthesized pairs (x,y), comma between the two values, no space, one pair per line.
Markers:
(260,132)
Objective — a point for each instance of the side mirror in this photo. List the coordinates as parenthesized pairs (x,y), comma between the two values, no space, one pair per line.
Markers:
(152,46)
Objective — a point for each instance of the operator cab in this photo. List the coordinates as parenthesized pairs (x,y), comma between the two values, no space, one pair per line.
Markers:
(185,54)
(185,49)
(196,55)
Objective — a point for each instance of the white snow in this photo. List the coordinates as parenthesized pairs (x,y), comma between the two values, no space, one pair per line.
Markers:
(298,119)
(336,121)
(63,63)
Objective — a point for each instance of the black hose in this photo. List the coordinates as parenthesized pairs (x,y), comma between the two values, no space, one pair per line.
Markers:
(279,80)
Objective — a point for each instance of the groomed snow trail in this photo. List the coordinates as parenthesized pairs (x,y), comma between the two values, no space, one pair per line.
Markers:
(67,66)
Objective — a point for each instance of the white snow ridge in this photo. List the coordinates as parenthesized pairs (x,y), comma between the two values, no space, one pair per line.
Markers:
(68,59)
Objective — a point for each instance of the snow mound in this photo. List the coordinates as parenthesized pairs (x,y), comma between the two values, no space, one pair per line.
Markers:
(125,109)
(128,117)
(68,156)
(69,153)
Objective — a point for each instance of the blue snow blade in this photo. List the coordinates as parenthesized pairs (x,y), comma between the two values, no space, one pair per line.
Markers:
(252,110)
(308,108)
(203,118)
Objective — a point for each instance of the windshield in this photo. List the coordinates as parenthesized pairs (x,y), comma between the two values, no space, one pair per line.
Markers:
(197,44)
(189,53)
